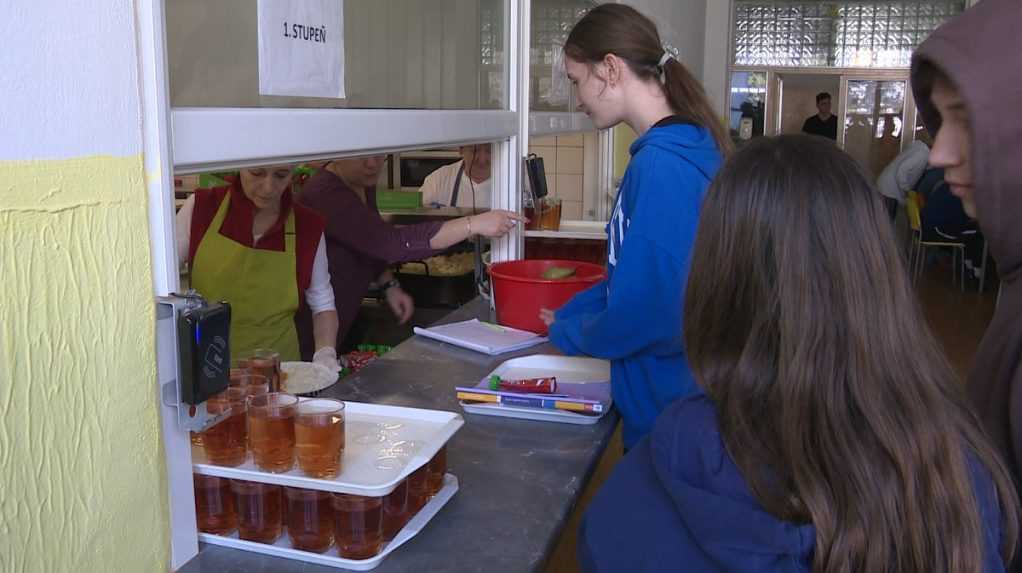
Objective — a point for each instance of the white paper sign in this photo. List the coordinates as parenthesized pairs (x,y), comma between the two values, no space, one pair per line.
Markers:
(301,48)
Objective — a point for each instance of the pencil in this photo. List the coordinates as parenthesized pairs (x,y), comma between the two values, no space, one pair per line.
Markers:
(530,402)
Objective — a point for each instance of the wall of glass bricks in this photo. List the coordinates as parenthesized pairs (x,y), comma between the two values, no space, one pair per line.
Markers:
(828,33)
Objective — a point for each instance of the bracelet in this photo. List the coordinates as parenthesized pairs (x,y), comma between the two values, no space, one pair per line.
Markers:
(468,220)
(389,285)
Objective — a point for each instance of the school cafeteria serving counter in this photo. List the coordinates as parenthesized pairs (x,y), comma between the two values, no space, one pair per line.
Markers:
(519,479)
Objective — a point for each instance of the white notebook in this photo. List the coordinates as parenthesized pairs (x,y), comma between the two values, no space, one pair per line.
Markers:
(482,337)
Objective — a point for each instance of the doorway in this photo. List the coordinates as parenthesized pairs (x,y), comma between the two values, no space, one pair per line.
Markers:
(798,98)
(874,120)
(872,106)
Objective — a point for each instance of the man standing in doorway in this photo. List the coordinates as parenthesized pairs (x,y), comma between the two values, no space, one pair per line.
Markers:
(823,123)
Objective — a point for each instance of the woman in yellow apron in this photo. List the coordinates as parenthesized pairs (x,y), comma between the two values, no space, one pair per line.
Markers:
(249,244)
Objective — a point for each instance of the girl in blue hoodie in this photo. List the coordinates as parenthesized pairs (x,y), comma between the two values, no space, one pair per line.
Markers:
(622,73)
(833,437)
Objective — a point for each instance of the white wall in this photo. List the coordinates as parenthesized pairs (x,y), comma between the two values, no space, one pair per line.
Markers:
(701,30)
(717,53)
(798,98)
(682,24)
(48,38)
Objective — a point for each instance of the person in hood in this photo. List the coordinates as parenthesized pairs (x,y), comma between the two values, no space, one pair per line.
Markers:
(978,142)
(622,73)
(833,435)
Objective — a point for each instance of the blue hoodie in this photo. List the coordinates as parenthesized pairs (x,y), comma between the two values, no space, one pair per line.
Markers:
(633,318)
(677,502)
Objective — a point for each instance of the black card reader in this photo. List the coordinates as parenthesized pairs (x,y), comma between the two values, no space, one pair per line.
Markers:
(205,354)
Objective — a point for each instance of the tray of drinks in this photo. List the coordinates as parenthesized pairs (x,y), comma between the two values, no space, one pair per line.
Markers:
(361,478)
(337,530)
(280,440)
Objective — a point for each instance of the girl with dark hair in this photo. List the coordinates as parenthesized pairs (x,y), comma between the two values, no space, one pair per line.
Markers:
(623,73)
(833,435)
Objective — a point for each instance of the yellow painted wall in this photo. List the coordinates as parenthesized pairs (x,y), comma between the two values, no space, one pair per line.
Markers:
(623,138)
(81,470)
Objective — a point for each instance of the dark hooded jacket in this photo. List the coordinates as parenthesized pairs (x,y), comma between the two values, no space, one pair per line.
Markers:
(979,52)
(678,502)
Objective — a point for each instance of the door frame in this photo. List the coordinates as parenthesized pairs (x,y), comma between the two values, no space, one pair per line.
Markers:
(775,86)
(908,112)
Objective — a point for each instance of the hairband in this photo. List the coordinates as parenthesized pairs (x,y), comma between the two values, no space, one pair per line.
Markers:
(669,53)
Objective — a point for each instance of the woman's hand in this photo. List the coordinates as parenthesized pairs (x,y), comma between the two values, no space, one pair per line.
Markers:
(401,303)
(327,356)
(547,316)
(495,223)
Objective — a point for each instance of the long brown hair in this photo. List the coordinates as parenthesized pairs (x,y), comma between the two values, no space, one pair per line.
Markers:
(623,31)
(834,399)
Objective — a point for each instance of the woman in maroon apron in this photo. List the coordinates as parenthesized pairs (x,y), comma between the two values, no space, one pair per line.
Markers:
(249,244)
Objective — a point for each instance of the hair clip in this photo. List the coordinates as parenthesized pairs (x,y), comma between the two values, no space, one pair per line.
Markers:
(670,52)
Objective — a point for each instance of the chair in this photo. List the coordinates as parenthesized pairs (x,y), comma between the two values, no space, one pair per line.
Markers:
(917,252)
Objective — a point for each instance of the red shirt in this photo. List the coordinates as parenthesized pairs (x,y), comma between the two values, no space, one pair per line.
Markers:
(237,226)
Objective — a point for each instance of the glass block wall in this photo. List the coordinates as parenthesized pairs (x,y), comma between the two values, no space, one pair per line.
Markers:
(552,20)
(829,33)
(491,33)
(491,51)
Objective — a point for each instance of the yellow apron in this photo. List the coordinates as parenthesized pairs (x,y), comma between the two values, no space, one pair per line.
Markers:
(261,286)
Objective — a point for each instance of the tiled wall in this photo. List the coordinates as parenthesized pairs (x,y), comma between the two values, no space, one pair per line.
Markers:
(564,162)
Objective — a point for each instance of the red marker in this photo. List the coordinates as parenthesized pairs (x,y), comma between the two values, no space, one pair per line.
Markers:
(526,386)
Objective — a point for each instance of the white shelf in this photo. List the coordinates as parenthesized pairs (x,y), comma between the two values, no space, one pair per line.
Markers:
(589,230)
(211,139)
(282,548)
(383,445)
(544,123)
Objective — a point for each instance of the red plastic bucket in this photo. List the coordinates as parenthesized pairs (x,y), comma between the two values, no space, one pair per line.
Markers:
(520,291)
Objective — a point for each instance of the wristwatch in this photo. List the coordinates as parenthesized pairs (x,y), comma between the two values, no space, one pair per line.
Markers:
(389,285)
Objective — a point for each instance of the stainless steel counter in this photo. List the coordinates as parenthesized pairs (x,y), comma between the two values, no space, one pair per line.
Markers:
(519,479)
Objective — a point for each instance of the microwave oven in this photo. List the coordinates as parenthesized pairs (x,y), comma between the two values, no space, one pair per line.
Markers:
(409,169)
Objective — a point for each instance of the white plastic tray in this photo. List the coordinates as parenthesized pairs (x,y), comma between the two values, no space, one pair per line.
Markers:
(490,339)
(383,445)
(567,369)
(282,548)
